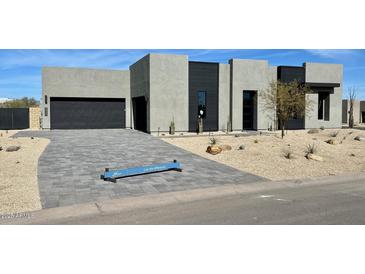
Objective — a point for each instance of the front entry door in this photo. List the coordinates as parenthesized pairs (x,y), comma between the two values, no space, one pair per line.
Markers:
(248,109)
(140,113)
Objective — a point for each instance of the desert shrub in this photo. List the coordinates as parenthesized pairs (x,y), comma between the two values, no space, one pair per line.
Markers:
(352,155)
(213,141)
(334,133)
(255,141)
(313,130)
(288,153)
(241,147)
(311,149)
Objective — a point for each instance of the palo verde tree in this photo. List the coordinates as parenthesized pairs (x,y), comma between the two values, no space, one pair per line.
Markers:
(287,101)
(352,91)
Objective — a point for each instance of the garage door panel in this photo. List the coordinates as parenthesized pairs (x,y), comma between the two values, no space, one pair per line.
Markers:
(86,113)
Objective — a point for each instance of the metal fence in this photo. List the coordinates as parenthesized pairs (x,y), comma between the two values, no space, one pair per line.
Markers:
(14,118)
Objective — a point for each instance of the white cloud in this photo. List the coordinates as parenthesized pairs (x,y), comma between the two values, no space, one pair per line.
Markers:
(332,53)
(75,58)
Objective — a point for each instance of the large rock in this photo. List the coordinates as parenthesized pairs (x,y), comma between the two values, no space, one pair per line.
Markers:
(313,130)
(214,149)
(314,157)
(225,147)
(331,142)
(358,138)
(12,148)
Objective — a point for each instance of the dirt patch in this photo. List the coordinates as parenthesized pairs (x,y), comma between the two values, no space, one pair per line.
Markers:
(18,173)
(264,155)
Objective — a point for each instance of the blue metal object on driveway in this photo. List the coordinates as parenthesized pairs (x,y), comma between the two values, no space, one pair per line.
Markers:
(113,175)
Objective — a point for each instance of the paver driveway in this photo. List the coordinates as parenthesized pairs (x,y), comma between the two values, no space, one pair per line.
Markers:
(70,167)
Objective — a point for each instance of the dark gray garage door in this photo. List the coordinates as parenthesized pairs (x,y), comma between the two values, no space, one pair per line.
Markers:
(87,113)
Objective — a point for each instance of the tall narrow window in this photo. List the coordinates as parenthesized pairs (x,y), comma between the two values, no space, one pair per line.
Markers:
(202,108)
(45,111)
(324,106)
(45,99)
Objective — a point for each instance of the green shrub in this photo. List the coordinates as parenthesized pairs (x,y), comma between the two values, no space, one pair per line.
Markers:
(213,141)
(311,149)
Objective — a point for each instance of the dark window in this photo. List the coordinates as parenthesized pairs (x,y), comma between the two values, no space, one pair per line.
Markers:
(45,99)
(324,106)
(202,99)
(45,111)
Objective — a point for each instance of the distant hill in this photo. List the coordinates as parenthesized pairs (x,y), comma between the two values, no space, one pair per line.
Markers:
(2,100)
(18,103)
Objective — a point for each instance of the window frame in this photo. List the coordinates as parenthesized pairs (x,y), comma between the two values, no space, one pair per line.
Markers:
(324,106)
(205,103)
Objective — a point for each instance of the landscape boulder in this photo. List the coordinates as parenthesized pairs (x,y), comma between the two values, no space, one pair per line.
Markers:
(241,147)
(313,130)
(314,157)
(331,142)
(225,147)
(12,148)
(358,138)
(214,149)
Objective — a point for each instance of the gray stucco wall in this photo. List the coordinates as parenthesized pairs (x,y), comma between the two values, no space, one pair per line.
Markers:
(81,82)
(169,92)
(224,96)
(140,83)
(250,75)
(324,73)
(356,109)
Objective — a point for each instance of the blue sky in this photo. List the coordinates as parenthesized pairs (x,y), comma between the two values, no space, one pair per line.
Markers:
(20,70)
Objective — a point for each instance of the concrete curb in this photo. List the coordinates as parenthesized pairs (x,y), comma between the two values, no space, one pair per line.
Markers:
(52,215)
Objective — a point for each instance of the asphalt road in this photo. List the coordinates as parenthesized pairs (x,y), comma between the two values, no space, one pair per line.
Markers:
(342,202)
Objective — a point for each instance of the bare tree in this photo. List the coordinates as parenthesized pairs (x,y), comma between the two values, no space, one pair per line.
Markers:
(287,101)
(352,92)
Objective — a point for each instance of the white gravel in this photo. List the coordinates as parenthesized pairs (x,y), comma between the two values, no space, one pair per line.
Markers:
(18,173)
(266,157)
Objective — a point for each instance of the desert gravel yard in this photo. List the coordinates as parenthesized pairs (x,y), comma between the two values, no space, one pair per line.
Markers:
(263,155)
(18,173)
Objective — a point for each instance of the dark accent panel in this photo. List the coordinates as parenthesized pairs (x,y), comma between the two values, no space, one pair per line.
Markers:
(248,109)
(287,74)
(363,117)
(295,123)
(203,76)
(327,108)
(324,106)
(323,85)
(344,111)
(87,113)
(322,89)
(14,118)
(140,113)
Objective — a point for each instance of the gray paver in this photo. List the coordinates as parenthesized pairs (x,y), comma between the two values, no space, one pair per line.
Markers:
(69,169)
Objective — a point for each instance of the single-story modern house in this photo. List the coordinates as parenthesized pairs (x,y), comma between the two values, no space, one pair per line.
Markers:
(161,88)
(358,109)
